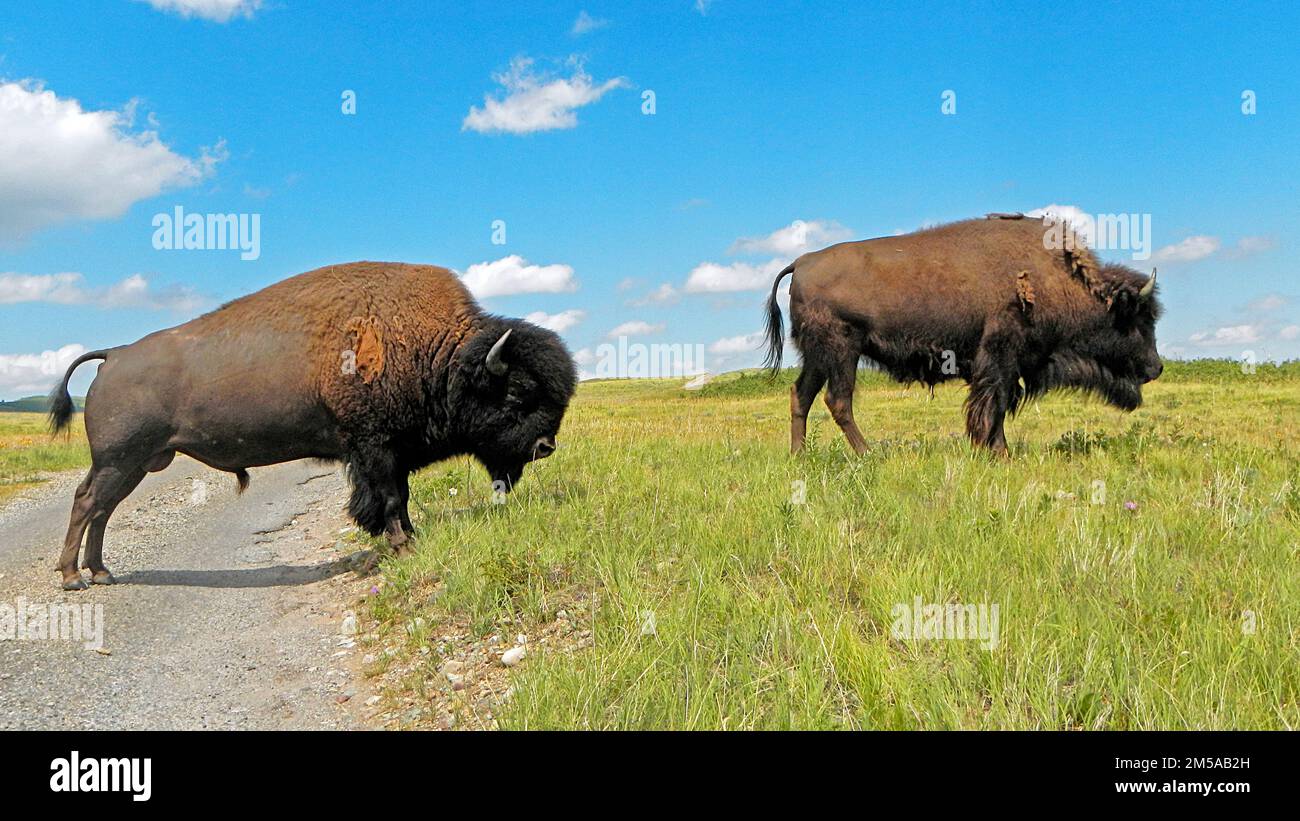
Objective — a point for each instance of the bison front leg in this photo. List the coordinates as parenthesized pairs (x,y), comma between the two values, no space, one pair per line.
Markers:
(378,503)
(402,478)
(992,385)
(396,522)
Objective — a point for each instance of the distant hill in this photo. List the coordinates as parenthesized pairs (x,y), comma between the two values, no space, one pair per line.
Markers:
(36,404)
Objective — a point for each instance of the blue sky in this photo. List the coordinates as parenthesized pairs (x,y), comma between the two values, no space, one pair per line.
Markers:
(112,112)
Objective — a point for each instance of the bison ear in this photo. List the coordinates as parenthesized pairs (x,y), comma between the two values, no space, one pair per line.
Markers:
(495,362)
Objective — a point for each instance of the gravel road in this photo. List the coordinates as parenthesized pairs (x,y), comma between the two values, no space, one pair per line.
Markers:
(226,614)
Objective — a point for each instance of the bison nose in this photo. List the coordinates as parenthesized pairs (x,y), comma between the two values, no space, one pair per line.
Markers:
(1154,373)
(544,447)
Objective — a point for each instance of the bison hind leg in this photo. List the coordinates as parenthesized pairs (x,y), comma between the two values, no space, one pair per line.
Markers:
(99,494)
(802,394)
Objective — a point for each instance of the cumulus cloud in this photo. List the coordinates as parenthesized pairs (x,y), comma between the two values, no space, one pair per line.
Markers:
(1268,303)
(560,322)
(634,328)
(1228,336)
(70,289)
(218,11)
(786,242)
(60,162)
(1195,248)
(1190,249)
(586,24)
(25,374)
(715,278)
(665,294)
(733,345)
(533,101)
(1289,333)
(797,238)
(1249,246)
(1072,214)
(514,275)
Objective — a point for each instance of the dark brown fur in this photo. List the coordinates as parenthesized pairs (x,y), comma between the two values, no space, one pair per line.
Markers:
(982,300)
(379,365)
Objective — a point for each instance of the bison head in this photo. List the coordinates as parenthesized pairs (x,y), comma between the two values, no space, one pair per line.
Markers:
(513,385)
(1114,353)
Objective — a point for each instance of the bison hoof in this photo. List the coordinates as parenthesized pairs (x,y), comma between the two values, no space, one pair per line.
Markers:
(103,577)
(74,584)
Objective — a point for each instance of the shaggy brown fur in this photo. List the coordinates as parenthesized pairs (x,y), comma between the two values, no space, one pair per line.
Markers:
(380,365)
(984,300)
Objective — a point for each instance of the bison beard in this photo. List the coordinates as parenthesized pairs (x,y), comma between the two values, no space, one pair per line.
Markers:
(383,366)
(987,301)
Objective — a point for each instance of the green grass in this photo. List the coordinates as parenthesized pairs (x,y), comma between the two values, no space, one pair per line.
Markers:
(770,613)
(28,452)
(775,614)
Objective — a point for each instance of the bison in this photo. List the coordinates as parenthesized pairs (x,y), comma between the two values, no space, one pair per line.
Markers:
(385,367)
(1012,305)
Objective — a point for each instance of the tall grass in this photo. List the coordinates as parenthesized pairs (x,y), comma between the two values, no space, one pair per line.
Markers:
(28,452)
(1144,565)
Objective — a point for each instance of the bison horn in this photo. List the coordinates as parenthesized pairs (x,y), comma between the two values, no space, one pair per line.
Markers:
(495,364)
(1150,287)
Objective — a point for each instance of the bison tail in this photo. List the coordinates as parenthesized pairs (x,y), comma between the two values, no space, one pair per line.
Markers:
(61,406)
(241,481)
(775,326)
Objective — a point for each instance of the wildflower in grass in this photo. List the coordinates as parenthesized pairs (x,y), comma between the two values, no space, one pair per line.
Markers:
(1130,506)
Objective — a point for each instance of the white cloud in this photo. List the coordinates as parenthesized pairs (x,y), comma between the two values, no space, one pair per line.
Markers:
(1190,249)
(1268,304)
(1227,336)
(1289,333)
(1249,246)
(560,322)
(634,328)
(514,275)
(63,289)
(1072,214)
(714,278)
(35,373)
(536,102)
(665,294)
(69,289)
(787,242)
(59,162)
(702,6)
(586,23)
(220,11)
(733,345)
(797,238)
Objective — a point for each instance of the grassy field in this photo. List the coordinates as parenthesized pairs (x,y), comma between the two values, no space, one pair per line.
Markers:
(28,452)
(1144,566)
